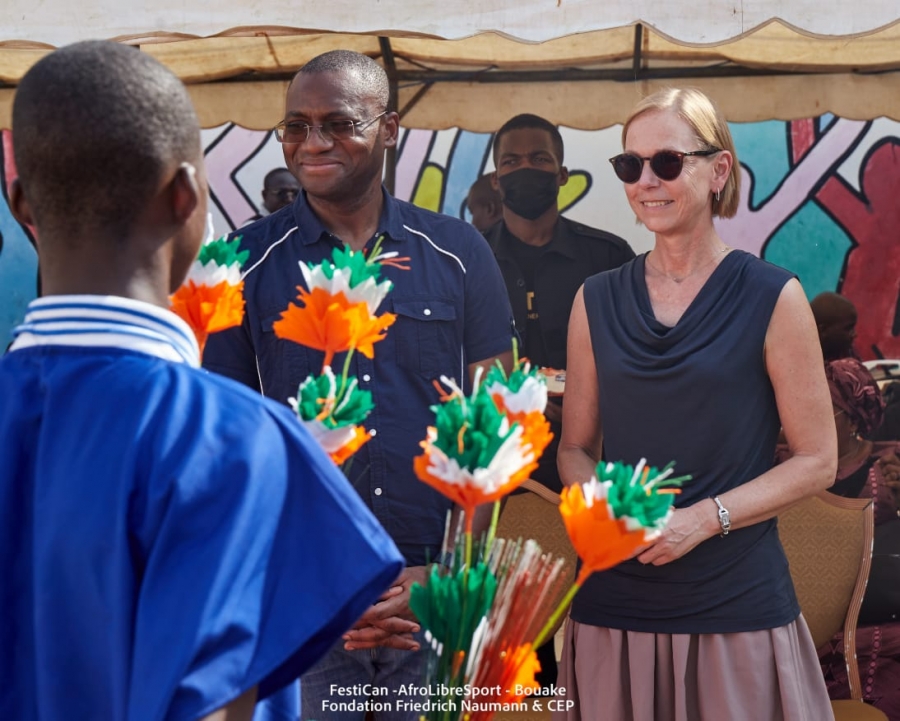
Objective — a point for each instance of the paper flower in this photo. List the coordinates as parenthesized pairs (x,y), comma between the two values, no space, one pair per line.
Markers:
(211,297)
(338,314)
(473,455)
(334,414)
(615,513)
(331,323)
(522,395)
(338,307)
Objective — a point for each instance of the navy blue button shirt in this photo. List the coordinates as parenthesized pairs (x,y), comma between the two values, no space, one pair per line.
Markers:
(452,310)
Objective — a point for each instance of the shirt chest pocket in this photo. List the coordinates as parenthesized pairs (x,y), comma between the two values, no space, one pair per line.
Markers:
(283,364)
(426,338)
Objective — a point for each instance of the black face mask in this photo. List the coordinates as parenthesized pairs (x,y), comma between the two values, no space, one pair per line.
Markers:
(529,192)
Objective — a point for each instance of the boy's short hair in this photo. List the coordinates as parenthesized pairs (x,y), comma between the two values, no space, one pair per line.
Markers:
(94,125)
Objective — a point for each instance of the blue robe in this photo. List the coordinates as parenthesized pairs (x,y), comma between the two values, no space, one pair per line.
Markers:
(168,539)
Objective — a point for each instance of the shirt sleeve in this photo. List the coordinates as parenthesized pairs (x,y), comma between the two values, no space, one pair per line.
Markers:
(490,326)
(257,555)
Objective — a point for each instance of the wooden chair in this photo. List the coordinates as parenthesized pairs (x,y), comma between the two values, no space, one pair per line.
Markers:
(534,515)
(828,542)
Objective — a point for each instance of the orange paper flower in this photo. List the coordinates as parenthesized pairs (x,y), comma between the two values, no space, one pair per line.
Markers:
(535,426)
(600,540)
(207,309)
(360,438)
(332,324)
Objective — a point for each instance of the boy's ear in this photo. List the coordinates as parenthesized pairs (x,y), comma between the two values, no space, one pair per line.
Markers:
(185,192)
(19,205)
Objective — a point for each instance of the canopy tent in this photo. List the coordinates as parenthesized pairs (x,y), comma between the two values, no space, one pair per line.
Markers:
(467,64)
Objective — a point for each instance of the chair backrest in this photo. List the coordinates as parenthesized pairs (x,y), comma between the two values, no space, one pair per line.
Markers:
(828,542)
(535,515)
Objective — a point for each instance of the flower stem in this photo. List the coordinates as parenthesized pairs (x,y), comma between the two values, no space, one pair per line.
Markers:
(345,374)
(492,530)
(562,607)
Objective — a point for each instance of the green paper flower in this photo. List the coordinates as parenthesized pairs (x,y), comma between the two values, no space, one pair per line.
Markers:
(484,429)
(348,408)
(451,605)
(224,253)
(639,498)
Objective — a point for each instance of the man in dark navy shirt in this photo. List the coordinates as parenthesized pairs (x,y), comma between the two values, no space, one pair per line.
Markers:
(544,259)
(452,315)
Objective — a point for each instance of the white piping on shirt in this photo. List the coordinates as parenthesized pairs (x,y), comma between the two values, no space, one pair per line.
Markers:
(436,247)
(266,254)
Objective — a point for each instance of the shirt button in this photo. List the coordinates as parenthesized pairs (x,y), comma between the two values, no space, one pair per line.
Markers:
(427,311)
(373,432)
(367,377)
(520,282)
(377,491)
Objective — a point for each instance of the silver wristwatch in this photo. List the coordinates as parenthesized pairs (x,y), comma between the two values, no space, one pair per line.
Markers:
(724,517)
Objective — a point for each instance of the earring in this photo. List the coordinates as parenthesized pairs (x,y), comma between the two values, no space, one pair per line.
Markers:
(717,195)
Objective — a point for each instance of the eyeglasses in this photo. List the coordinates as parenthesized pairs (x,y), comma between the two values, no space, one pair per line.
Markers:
(329,130)
(666,164)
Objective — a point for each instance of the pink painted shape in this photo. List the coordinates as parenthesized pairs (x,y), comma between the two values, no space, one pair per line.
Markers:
(9,164)
(750,229)
(221,161)
(410,162)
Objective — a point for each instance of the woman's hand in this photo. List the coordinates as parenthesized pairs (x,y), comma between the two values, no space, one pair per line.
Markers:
(687,528)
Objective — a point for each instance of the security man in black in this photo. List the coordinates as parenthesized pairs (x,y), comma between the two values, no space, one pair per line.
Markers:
(543,256)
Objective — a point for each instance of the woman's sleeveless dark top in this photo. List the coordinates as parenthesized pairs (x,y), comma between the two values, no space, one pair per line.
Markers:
(697,394)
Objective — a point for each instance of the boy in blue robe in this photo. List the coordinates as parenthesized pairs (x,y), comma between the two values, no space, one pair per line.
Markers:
(172,545)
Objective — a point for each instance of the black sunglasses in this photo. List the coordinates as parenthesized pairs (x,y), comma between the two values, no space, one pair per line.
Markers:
(666,164)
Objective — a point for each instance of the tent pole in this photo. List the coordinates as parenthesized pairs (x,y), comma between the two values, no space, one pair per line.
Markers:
(638,48)
(390,67)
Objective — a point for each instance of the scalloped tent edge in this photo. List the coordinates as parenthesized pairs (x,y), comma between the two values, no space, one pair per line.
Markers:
(586,80)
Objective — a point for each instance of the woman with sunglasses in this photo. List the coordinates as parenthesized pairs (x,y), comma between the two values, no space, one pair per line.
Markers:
(695,353)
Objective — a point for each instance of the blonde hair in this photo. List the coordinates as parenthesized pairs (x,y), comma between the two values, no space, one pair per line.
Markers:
(708,124)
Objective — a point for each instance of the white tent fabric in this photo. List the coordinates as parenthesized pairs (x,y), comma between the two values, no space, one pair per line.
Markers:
(579,63)
(57,22)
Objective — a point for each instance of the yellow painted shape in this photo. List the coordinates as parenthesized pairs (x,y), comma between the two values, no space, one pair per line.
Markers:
(573,191)
(430,188)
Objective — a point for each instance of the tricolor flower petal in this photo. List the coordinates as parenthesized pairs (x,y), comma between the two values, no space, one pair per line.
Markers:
(208,309)
(609,520)
(332,324)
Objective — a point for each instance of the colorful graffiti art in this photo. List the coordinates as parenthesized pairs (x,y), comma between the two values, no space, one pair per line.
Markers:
(818,197)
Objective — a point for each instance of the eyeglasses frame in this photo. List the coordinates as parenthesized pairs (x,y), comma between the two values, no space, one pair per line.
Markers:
(680,154)
(358,127)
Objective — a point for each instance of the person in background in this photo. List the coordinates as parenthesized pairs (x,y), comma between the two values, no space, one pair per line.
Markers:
(544,259)
(279,190)
(168,545)
(692,353)
(836,321)
(484,203)
(868,470)
(452,316)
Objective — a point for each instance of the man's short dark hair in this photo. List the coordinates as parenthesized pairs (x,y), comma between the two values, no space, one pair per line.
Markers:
(370,74)
(94,126)
(272,174)
(527,120)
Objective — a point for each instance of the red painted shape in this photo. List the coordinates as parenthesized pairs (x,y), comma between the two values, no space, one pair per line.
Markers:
(872,276)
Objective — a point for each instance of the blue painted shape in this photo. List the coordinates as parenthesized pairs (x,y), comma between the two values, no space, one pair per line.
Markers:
(18,274)
(762,147)
(811,245)
(463,168)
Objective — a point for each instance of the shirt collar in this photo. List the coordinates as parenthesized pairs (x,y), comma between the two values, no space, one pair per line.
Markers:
(312,231)
(107,321)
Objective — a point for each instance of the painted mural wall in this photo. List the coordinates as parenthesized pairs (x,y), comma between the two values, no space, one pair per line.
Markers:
(820,197)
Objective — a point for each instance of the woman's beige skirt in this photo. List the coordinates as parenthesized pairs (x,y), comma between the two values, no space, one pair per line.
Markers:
(616,675)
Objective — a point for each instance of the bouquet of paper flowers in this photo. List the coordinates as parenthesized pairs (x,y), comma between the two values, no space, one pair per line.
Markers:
(338,313)
(211,298)
(494,601)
